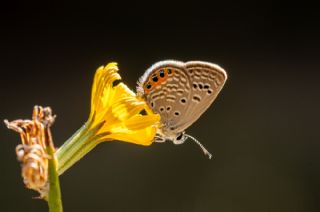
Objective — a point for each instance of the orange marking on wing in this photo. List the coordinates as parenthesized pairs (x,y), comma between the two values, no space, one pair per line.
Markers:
(150,82)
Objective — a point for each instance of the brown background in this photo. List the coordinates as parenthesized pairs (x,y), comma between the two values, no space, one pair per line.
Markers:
(263,129)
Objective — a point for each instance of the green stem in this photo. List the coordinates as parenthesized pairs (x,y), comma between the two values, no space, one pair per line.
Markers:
(78,145)
(54,197)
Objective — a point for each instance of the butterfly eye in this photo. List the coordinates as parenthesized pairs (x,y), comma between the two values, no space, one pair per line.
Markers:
(161,73)
(179,137)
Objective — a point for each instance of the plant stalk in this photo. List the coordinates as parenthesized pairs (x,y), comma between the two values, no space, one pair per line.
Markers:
(78,145)
(54,197)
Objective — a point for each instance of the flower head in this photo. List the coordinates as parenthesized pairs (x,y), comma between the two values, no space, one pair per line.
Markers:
(116,114)
(123,115)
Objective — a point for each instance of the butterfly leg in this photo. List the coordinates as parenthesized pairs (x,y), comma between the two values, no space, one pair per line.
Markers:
(159,139)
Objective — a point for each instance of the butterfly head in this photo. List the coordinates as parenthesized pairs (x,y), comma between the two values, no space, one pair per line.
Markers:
(180,138)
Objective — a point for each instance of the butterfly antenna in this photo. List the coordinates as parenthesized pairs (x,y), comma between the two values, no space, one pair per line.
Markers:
(205,151)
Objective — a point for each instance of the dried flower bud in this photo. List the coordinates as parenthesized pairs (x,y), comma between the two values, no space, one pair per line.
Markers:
(35,137)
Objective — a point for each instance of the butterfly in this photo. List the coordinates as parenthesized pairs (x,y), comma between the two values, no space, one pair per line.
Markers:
(180,92)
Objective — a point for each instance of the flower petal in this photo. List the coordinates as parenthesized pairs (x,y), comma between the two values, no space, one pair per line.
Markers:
(120,109)
(142,137)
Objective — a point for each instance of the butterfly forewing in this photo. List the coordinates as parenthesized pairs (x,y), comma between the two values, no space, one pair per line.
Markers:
(167,97)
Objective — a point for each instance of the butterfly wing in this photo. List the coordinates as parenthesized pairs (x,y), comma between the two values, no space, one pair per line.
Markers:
(183,94)
(206,80)
(167,95)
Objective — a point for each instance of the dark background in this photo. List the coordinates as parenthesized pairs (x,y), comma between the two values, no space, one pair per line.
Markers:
(263,129)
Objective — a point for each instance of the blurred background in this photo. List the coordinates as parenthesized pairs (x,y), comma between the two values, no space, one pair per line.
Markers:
(263,129)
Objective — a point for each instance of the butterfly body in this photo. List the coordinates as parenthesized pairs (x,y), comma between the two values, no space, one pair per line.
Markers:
(180,92)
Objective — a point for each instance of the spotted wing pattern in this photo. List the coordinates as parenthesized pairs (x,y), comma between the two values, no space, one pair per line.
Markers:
(206,80)
(167,93)
(180,92)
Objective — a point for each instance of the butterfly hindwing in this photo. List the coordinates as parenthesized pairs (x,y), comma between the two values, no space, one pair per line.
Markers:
(206,80)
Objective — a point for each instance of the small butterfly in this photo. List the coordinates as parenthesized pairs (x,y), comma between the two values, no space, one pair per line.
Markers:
(180,92)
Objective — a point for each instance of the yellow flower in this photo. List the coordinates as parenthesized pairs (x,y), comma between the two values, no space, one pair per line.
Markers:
(116,114)
(124,116)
